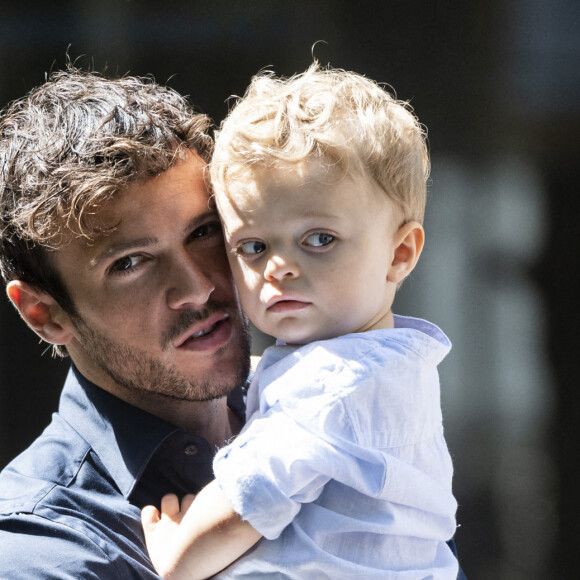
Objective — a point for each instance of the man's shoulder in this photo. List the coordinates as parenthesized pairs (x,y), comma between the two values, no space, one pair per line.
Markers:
(62,515)
(33,547)
(53,459)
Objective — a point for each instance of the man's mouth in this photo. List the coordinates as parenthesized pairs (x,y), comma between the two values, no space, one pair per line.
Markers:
(202,329)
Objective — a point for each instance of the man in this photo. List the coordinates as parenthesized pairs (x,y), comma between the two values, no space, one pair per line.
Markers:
(112,252)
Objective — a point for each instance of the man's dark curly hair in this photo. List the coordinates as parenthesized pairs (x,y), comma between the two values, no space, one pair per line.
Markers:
(70,146)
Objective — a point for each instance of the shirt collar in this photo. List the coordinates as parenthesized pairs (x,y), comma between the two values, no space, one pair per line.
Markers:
(422,336)
(123,436)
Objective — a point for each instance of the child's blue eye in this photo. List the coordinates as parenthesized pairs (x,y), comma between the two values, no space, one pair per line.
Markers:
(319,239)
(252,247)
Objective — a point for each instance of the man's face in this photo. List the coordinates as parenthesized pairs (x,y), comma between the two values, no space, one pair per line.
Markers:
(157,309)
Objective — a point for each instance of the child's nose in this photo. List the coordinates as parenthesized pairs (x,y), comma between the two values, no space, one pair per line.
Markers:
(279,267)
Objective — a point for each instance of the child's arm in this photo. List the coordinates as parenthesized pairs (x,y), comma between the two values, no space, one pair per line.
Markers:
(197,540)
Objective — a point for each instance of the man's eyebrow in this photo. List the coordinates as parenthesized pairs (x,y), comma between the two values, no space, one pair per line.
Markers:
(123,246)
(199,220)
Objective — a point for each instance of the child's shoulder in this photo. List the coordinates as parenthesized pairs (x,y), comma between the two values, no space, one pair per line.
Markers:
(409,336)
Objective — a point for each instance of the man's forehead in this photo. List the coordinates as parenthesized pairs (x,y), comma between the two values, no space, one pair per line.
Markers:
(177,198)
(147,197)
(129,208)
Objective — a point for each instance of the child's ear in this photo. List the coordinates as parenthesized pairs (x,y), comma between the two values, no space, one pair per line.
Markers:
(408,245)
(41,312)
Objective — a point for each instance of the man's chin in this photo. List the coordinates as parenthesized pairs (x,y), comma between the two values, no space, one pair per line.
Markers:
(191,378)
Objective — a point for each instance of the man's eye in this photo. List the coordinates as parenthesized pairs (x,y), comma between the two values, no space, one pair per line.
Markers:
(319,239)
(125,263)
(250,248)
(208,229)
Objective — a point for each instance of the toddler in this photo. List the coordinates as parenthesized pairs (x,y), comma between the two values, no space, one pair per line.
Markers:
(342,470)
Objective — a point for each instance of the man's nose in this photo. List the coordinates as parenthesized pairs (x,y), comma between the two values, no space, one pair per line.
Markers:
(279,267)
(189,282)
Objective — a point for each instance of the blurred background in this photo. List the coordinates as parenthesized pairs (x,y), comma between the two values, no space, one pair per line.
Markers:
(497,82)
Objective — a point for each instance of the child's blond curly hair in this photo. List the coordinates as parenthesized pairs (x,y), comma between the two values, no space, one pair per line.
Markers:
(333,115)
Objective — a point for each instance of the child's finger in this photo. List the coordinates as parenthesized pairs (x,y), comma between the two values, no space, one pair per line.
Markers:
(149,516)
(170,505)
(187,501)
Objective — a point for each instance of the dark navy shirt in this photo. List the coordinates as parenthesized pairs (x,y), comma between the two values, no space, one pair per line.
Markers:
(70,504)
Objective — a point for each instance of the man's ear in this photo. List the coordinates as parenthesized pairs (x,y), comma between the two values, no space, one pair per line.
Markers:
(41,312)
(408,244)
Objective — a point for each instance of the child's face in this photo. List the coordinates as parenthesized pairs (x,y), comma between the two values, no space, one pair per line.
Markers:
(311,253)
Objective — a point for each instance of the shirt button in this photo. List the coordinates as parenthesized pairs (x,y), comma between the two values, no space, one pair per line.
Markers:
(191,450)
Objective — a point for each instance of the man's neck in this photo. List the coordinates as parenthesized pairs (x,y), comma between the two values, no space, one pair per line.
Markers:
(212,420)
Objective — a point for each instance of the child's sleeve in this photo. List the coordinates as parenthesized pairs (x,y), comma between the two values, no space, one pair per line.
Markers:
(278,464)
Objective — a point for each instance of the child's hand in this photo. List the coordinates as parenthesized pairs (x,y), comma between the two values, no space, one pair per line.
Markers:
(198,539)
(161,529)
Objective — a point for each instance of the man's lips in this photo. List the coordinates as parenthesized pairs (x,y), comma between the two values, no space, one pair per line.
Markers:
(204,331)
